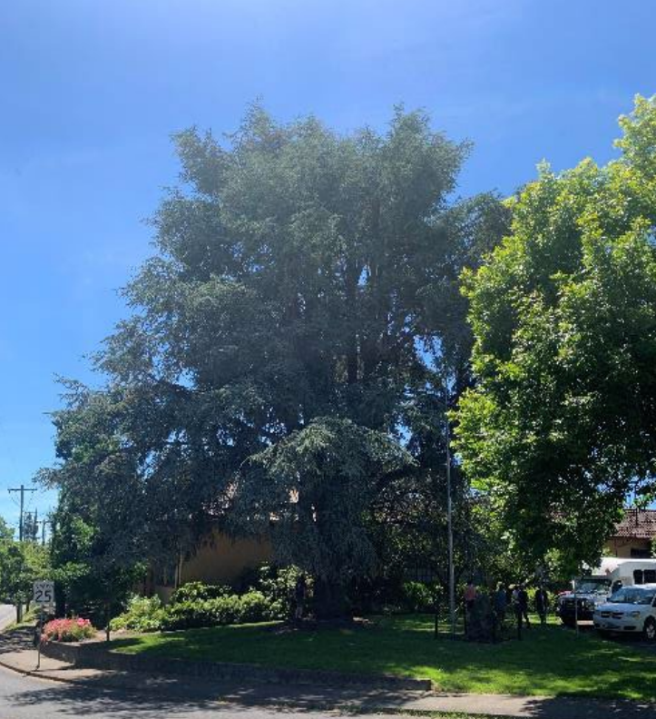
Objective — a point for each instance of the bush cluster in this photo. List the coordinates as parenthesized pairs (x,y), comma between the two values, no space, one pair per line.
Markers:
(198,605)
(200,592)
(143,614)
(417,597)
(68,630)
(227,609)
(267,594)
(278,585)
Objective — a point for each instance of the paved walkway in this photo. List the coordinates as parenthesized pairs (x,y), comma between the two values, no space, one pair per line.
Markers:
(17,653)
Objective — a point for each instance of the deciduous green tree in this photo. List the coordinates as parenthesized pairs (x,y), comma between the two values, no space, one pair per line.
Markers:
(561,426)
(21,564)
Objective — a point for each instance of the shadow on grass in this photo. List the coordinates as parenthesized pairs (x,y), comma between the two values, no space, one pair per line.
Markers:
(550,661)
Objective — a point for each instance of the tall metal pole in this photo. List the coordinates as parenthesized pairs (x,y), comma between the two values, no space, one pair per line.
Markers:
(449,511)
(22,489)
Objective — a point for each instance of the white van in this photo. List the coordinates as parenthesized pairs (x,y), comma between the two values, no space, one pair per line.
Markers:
(630,609)
(627,571)
(595,588)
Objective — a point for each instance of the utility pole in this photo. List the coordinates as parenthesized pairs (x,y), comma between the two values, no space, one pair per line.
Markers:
(43,523)
(22,489)
(449,510)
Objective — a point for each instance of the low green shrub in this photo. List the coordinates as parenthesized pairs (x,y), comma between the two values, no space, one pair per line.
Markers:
(417,597)
(278,585)
(229,609)
(143,614)
(197,605)
(199,592)
(187,615)
(255,607)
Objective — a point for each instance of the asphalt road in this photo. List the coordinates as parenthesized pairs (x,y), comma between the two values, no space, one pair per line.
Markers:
(29,698)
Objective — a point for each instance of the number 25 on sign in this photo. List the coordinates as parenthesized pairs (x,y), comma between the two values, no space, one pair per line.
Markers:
(44,592)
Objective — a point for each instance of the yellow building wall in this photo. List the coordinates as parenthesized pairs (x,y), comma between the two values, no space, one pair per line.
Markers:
(619,547)
(221,560)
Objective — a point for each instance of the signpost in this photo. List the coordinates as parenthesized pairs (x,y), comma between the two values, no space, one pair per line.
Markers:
(44,596)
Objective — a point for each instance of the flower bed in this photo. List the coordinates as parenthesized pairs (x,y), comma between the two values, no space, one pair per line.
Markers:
(68,630)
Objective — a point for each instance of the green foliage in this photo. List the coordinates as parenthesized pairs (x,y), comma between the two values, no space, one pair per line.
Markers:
(200,606)
(69,630)
(143,614)
(548,662)
(303,298)
(418,597)
(332,467)
(561,425)
(97,550)
(89,578)
(278,585)
(21,564)
(5,531)
(199,592)
(409,528)
(229,609)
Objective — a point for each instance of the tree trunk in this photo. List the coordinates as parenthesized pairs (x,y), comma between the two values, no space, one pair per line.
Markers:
(329,600)
(108,616)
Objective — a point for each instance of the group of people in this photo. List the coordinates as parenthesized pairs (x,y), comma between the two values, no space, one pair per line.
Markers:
(514,598)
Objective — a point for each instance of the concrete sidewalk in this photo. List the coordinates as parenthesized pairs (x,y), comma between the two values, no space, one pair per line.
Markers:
(16,653)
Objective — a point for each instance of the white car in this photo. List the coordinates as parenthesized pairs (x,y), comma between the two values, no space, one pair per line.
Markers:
(629,610)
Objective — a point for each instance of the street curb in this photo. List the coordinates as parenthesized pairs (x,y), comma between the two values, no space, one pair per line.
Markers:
(96,656)
(35,674)
(351,707)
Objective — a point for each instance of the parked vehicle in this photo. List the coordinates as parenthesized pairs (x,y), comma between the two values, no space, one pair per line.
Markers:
(596,588)
(590,592)
(630,609)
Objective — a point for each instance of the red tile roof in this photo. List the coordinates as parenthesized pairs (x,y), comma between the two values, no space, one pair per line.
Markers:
(637,524)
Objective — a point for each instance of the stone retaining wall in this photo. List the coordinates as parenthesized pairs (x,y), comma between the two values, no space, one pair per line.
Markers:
(94,655)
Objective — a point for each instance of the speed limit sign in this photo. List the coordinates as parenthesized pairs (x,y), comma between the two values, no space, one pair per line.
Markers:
(44,593)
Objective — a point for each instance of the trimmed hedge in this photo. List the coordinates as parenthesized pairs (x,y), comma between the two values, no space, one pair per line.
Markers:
(229,609)
(199,592)
(211,606)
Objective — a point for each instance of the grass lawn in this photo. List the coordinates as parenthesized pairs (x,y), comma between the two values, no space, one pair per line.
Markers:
(550,661)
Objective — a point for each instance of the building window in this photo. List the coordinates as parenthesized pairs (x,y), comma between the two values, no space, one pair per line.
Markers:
(640,553)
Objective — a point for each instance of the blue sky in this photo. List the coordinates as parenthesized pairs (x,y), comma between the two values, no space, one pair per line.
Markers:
(92,89)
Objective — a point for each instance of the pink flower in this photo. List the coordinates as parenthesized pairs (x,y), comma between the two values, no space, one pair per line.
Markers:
(68,630)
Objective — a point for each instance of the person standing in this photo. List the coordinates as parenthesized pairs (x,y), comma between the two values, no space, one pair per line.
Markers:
(500,604)
(542,604)
(470,595)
